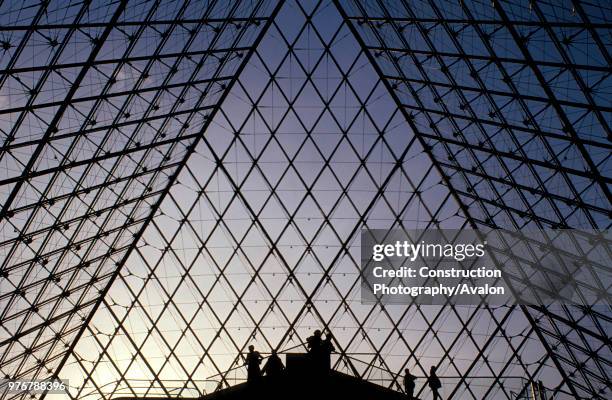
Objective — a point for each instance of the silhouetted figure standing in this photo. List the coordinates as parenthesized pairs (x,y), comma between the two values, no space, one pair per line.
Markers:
(274,366)
(253,360)
(314,343)
(409,384)
(327,348)
(434,383)
(315,351)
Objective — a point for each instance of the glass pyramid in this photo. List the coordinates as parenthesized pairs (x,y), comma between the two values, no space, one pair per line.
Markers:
(181,179)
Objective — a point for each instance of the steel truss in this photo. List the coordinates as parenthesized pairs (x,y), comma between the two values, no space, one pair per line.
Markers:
(182,179)
(501,148)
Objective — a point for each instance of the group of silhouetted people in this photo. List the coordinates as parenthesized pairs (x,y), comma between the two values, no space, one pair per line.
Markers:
(273,368)
(319,350)
(432,381)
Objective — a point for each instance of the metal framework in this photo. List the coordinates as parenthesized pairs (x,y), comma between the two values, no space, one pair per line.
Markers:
(180,179)
(510,101)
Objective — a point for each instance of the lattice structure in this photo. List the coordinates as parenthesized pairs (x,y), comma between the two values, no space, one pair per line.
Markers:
(101,103)
(181,179)
(512,102)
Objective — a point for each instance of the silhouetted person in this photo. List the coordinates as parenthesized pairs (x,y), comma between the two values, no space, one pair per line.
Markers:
(434,383)
(253,360)
(315,346)
(274,366)
(409,384)
(327,348)
(314,342)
